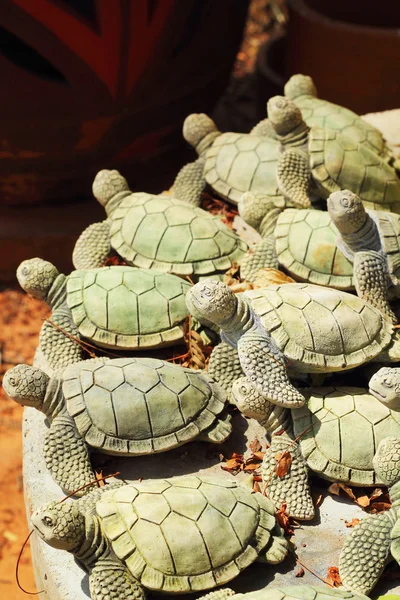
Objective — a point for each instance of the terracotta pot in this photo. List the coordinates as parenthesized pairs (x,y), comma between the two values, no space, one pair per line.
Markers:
(101,83)
(351,48)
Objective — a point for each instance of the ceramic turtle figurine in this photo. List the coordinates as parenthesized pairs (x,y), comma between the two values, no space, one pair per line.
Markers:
(338,432)
(158,232)
(287,592)
(120,307)
(320,161)
(311,328)
(184,534)
(375,540)
(125,406)
(304,243)
(230,163)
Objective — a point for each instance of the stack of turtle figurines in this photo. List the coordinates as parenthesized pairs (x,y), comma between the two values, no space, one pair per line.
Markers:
(314,359)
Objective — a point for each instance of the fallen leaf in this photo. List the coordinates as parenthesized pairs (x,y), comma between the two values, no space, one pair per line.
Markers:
(336,488)
(255,445)
(363,500)
(300,572)
(318,501)
(256,487)
(251,467)
(378,507)
(259,455)
(284,520)
(333,577)
(284,460)
(352,523)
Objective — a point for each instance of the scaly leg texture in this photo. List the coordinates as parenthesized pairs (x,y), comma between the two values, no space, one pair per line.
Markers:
(264,366)
(366,550)
(111,581)
(254,206)
(93,246)
(218,432)
(189,184)
(224,366)
(260,256)
(293,177)
(292,487)
(220,595)
(66,456)
(58,347)
(371,277)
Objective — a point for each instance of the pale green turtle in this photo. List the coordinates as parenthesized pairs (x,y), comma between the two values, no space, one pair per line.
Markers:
(320,161)
(287,592)
(122,406)
(231,163)
(304,243)
(373,542)
(184,534)
(120,308)
(311,328)
(158,232)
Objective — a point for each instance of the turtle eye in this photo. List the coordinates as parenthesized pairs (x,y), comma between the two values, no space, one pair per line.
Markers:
(12,381)
(387,383)
(25,271)
(47,521)
(345,202)
(243,389)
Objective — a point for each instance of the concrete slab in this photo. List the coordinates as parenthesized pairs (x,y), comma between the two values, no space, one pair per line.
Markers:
(318,543)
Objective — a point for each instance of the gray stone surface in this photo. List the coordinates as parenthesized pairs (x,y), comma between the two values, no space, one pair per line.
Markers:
(318,543)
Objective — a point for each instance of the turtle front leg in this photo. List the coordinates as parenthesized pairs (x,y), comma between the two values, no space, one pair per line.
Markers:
(276,550)
(261,211)
(291,486)
(261,256)
(93,247)
(218,432)
(371,277)
(264,365)
(59,340)
(366,551)
(66,456)
(110,579)
(224,366)
(190,182)
(220,595)
(293,177)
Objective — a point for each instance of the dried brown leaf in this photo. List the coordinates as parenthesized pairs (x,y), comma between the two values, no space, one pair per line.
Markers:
(378,507)
(352,523)
(251,467)
(333,577)
(284,460)
(259,455)
(283,519)
(300,572)
(255,445)
(363,500)
(256,487)
(336,488)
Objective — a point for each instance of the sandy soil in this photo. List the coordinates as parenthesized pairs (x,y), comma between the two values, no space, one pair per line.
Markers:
(20,321)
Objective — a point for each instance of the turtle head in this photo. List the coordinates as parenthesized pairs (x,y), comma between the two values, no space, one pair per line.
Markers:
(385,386)
(284,115)
(60,525)
(387,460)
(300,85)
(212,301)
(346,211)
(26,385)
(36,276)
(106,186)
(199,131)
(249,401)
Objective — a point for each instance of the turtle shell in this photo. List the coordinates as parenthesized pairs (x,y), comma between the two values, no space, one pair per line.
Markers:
(125,308)
(301,592)
(139,405)
(238,163)
(188,533)
(389,230)
(320,329)
(338,162)
(306,247)
(321,113)
(164,233)
(343,427)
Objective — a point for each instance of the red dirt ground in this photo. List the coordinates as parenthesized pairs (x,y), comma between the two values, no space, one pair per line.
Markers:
(20,320)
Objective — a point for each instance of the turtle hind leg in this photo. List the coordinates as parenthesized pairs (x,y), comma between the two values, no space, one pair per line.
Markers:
(276,551)
(260,256)
(109,579)
(189,184)
(366,550)
(220,595)
(66,456)
(293,177)
(59,340)
(292,487)
(224,366)
(371,276)
(218,432)
(93,247)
